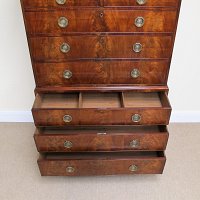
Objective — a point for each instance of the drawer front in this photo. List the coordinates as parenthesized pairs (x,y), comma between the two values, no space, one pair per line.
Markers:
(101,166)
(79,47)
(61,22)
(101,117)
(73,21)
(120,72)
(54,4)
(130,21)
(55,74)
(126,108)
(64,141)
(155,3)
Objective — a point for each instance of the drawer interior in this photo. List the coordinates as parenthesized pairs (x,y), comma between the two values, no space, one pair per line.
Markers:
(101,100)
(103,156)
(59,100)
(102,129)
(141,99)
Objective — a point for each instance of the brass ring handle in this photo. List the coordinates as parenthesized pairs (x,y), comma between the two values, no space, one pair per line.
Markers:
(141,2)
(137,47)
(61,2)
(67,74)
(64,48)
(133,168)
(135,73)
(63,22)
(134,143)
(70,169)
(67,118)
(139,22)
(136,118)
(68,144)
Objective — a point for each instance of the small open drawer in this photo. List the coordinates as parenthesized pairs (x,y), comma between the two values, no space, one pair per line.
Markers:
(116,108)
(88,164)
(114,138)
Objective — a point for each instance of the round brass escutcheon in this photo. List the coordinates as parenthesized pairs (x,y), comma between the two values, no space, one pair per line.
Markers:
(139,22)
(68,144)
(133,168)
(67,118)
(135,73)
(64,48)
(134,143)
(63,22)
(137,47)
(70,169)
(141,2)
(67,74)
(61,2)
(136,118)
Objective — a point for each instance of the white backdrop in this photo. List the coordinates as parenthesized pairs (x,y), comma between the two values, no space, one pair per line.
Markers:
(16,77)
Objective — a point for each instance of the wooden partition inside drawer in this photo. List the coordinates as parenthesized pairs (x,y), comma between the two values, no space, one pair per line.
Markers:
(88,164)
(99,138)
(97,108)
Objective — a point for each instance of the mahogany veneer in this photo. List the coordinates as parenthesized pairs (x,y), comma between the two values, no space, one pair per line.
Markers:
(92,139)
(101,69)
(89,20)
(101,109)
(36,4)
(105,72)
(85,164)
(108,46)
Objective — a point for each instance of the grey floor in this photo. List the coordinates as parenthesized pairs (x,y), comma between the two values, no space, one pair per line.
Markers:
(20,178)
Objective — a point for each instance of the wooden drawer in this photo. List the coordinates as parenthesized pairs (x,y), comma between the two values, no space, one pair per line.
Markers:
(95,20)
(73,139)
(88,164)
(88,47)
(125,108)
(154,3)
(27,4)
(105,72)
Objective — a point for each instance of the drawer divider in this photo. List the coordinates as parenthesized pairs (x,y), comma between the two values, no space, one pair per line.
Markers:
(80,100)
(122,99)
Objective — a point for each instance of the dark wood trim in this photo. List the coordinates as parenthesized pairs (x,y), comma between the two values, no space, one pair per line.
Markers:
(102,88)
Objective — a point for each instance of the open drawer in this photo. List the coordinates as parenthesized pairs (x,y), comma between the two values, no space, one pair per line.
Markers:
(111,108)
(115,138)
(87,164)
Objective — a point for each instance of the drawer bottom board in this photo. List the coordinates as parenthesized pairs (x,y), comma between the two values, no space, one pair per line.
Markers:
(95,164)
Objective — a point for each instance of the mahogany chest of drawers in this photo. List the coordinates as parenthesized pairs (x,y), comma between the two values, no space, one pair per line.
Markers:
(101,70)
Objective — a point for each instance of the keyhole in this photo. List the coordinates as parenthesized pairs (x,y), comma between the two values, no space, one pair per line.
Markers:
(101,14)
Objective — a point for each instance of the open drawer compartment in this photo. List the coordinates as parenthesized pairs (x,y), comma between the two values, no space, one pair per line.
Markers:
(88,164)
(96,108)
(99,138)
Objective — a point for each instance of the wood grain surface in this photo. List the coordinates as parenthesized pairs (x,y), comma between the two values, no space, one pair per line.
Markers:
(101,164)
(53,114)
(102,139)
(90,47)
(97,20)
(101,72)
(94,3)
